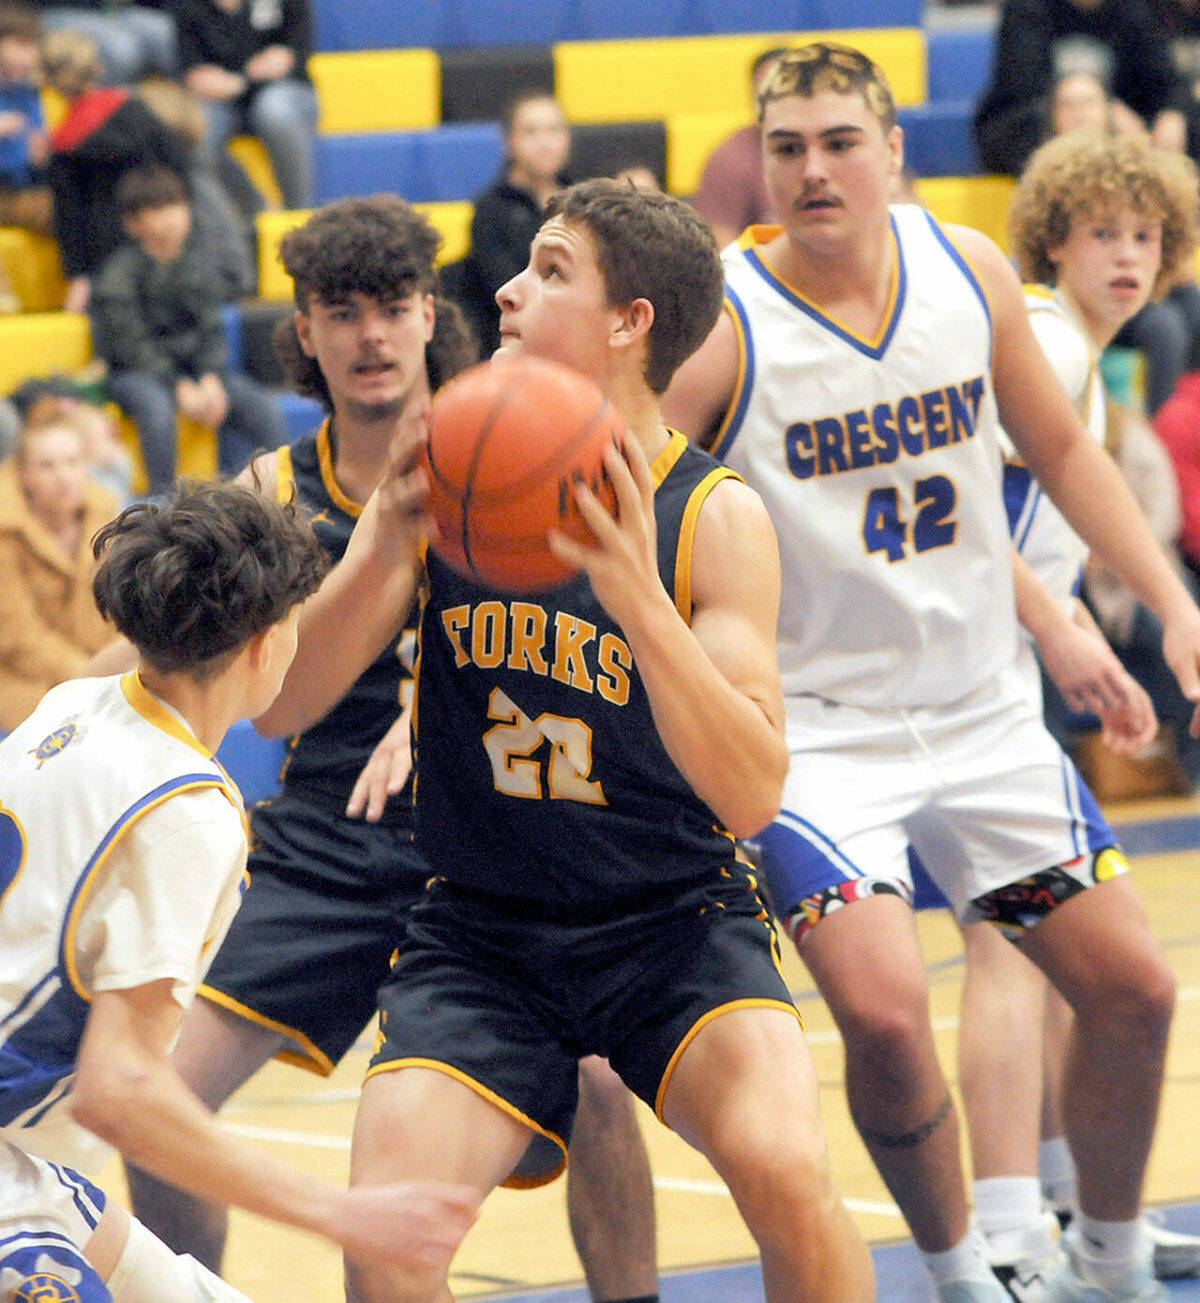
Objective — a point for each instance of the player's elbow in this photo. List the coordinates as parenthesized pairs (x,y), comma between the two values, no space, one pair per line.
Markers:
(756,801)
(105,1098)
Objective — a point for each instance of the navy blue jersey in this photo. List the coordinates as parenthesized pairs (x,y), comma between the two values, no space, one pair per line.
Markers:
(540,774)
(324,761)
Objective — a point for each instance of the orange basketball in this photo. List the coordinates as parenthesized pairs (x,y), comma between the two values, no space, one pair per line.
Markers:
(507,441)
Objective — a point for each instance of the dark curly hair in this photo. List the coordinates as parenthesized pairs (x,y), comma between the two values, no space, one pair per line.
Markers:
(379,246)
(191,579)
(651,246)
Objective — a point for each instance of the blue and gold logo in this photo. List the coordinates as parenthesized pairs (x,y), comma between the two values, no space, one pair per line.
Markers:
(44,1288)
(57,742)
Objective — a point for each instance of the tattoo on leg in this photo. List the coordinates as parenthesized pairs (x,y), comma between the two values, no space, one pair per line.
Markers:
(909,1139)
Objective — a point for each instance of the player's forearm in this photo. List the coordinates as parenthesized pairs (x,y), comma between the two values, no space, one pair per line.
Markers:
(359,608)
(721,740)
(1091,493)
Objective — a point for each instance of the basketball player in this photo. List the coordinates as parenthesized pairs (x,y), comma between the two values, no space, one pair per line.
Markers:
(600,906)
(855,380)
(1098,224)
(122,858)
(297,974)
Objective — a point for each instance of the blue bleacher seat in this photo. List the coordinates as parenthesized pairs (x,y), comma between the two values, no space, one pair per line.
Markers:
(604,20)
(938,140)
(299,414)
(253,762)
(959,63)
(501,22)
(863,13)
(456,160)
(375,162)
(231,324)
(378,24)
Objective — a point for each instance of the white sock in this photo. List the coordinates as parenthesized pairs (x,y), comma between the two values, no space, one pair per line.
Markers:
(1111,1249)
(1056,1171)
(966,1260)
(1006,1203)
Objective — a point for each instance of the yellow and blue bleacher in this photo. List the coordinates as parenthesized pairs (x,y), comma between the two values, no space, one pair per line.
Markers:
(410,96)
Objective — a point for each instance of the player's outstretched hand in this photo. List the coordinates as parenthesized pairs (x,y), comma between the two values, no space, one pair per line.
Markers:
(1085,669)
(1131,726)
(414,1225)
(385,773)
(622,564)
(1181,650)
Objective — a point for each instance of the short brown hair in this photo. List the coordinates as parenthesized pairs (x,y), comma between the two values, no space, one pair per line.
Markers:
(651,246)
(146,188)
(190,580)
(20,22)
(823,65)
(1082,174)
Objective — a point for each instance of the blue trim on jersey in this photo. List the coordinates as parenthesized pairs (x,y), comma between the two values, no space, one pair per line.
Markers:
(1077,583)
(739,412)
(961,263)
(1018,483)
(81,1190)
(829,324)
(798,860)
(64,1089)
(27,998)
(113,833)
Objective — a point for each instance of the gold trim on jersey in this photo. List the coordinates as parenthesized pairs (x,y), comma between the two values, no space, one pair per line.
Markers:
(754,237)
(661,466)
(312,1059)
(332,487)
(155,712)
(436,1065)
(285,474)
(759,1002)
(713,445)
(85,889)
(687,537)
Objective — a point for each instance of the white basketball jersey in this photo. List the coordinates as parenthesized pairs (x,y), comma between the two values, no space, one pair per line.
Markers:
(1053,549)
(880,464)
(93,759)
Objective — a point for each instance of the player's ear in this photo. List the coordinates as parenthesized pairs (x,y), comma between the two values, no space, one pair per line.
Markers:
(304,332)
(634,322)
(429,311)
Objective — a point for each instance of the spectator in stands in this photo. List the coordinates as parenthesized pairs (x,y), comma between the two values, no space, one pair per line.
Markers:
(510,211)
(1180,20)
(108,460)
(156,321)
(105,133)
(731,194)
(248,62)
(1177,424)
(220,225)
(1079,102)
(49,510)
(1121,42)
(131,40)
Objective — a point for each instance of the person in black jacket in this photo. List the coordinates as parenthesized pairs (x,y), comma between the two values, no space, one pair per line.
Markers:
(1038,41)
(105,132)
(509,213)
(247,60)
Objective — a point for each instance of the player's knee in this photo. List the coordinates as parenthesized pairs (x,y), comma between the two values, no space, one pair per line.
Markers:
(47,1268)
(1139,997)
(148,1272)
(779,1179)
(886,1023)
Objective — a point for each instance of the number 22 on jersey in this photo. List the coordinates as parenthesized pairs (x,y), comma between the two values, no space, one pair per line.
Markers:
(886,519)
(510,745)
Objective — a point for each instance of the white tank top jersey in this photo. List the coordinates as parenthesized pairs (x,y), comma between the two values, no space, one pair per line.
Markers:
(879,461)
(1043,537)
(122,861)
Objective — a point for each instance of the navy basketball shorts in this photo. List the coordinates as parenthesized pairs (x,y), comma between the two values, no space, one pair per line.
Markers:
(315,933)
(508,1003)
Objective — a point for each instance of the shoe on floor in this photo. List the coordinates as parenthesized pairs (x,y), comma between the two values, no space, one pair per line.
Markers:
(1024,1261)
(1176,1255)
(1075,1282)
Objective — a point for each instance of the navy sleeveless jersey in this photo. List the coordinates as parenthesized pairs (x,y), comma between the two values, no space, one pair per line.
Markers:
(540,774)
(324,761)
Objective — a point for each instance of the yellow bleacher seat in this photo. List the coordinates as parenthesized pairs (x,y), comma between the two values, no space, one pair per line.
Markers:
(39,343)
(33,267)
(250,153)
(691,137)
(377,90)
(196,445)
(634,80)
(979,201)
(453,220)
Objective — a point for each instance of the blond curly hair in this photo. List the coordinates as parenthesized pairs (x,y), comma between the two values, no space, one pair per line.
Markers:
(1083,174)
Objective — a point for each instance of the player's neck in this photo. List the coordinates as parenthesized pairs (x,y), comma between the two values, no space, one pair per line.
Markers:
(641,412)
(360,444)
(848,275)
(1100,332)
(208,708)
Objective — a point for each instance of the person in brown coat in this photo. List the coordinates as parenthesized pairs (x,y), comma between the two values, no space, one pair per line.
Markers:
(49,510)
